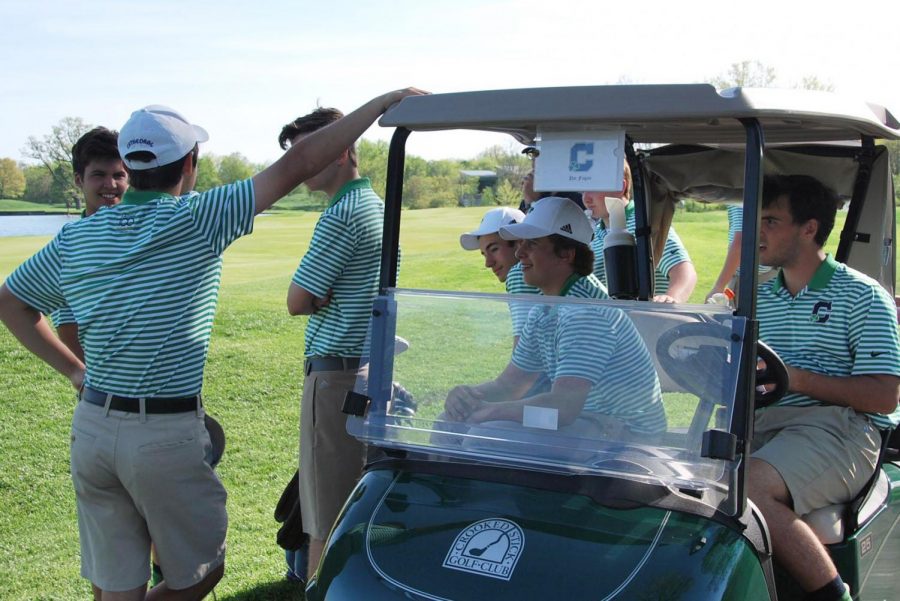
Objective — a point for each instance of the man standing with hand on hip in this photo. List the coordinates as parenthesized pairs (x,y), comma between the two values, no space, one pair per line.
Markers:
(142,281)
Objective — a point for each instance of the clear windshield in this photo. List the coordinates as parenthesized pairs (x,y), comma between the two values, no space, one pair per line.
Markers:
(602,387)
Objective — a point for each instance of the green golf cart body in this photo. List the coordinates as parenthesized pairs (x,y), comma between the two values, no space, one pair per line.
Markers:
(511,513)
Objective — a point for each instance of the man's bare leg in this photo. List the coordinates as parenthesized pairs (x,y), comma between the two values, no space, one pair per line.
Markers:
(794,544)
(316,548)
(161,592)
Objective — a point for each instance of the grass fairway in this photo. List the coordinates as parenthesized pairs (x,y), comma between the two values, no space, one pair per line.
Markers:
(8,204)
(252,385)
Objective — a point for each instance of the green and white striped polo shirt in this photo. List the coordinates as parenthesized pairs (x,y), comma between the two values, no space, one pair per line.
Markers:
(735,225)
(601,345)
(142,280)
(582,287)
(585,286)
(344,256)
(64,315)
(842,324)
(515,284)
(674,252)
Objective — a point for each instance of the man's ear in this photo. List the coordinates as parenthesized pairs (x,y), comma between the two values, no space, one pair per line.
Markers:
(810,229)
(79,181)
(343,157)
(187,167)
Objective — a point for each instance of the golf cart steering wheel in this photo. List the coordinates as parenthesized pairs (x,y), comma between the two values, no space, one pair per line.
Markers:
(775,372)
(695,368)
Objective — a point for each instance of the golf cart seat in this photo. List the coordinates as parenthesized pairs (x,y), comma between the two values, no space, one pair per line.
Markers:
(832,524)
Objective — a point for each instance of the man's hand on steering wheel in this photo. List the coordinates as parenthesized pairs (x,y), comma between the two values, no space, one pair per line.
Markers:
(772,376)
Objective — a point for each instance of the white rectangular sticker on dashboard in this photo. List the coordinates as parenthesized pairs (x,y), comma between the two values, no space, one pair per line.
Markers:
(545,418)
(580,161)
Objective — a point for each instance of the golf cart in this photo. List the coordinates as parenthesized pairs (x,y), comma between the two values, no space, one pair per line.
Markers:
(511,511)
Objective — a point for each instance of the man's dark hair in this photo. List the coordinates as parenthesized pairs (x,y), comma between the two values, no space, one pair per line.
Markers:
(157,178)
(583,264)
(808,198)
(99,143)
(307,124)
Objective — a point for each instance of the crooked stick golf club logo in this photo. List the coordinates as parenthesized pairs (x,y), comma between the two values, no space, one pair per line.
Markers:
(488,548)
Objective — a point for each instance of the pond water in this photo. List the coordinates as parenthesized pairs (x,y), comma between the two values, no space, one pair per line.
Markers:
(33,225)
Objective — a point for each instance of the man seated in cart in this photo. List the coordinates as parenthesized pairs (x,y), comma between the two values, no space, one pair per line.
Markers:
(836,330)
(603,383)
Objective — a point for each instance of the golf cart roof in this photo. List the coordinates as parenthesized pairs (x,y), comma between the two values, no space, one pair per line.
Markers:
(682,113)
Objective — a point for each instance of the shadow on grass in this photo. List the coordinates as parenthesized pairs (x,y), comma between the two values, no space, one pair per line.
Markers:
(281,590)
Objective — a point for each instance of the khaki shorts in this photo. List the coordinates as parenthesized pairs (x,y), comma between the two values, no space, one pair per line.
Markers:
(825,455)
(331,460)
(137,481)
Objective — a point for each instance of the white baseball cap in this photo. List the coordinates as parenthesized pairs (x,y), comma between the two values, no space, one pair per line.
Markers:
(491,223)
(159,130)
(552,215)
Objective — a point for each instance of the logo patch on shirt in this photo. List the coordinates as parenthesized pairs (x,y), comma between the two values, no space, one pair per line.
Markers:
(821,312)
(487,548)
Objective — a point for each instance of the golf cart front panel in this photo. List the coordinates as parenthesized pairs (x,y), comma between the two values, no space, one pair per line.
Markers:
(410,534)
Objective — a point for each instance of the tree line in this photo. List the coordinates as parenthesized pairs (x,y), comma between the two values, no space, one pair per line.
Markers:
(427,184)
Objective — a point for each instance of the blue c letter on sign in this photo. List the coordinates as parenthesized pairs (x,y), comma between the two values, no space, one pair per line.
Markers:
(581,156)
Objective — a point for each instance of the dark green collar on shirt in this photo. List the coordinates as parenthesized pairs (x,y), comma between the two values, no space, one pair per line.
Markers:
(820,280)
(142,197)
(355,184)
(569,283)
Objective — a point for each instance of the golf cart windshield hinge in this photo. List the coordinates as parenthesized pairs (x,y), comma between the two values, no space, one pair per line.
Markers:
(718,444)
(355,404)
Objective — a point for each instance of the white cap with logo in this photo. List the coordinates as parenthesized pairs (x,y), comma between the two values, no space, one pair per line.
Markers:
(491,223)
(161,131)
(552,215)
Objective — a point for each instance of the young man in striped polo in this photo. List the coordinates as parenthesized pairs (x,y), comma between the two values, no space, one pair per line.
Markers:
(335,284)
(499,255)
(674,276)
(142,280)
(100,174)
(836,330)
(603,383)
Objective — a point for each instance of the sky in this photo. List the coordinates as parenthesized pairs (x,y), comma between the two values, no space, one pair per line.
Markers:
(244,69)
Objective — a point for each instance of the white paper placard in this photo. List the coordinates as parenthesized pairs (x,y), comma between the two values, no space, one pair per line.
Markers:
(580,161)
(546,418)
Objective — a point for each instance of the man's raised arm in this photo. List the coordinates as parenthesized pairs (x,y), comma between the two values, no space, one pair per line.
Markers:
(314,152)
